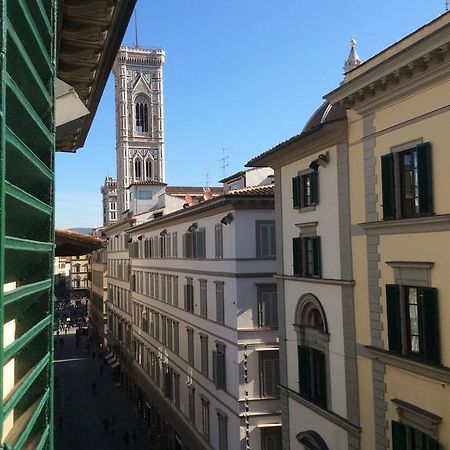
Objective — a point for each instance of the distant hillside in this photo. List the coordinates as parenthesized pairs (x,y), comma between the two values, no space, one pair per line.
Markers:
(82,230)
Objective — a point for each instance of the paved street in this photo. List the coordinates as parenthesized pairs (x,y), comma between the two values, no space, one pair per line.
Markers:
(80,415)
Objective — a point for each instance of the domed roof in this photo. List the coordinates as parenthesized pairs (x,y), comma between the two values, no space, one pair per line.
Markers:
(325,114)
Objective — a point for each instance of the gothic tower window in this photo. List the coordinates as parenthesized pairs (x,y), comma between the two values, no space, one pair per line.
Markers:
(148,168)
(138,168)
(141,114)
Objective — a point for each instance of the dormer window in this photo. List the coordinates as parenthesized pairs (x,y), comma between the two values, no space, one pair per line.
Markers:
(141,115)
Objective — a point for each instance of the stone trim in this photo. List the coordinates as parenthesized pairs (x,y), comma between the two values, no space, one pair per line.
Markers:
(406,145)
(332,281)
(437,373)
(418,418)
(426,224)
(328,415)
(412,273)
(412,264)
(307,229)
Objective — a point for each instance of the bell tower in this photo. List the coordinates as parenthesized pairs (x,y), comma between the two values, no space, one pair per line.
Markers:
(139,119)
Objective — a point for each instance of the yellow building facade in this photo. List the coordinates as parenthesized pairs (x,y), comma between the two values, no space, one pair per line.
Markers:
(398,112)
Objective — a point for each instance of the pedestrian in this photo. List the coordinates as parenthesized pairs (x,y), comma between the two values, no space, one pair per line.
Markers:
(94,388)
(126,439)
(105,422)
(101,369)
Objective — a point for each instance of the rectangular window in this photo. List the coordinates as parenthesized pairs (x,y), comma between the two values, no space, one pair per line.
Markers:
(176,389)
(413,322)
(222,420)
(405,437)
(163,288)
(174,245)
(305,190)
(192,404)
(194,244)
(269,371)
(219,366)
(265,239)
(407,183)
(267,306)
(204,351)
(189,295)
(175,290)
(203,299)
(190,345)
(176,337)
(312,375)
(220,302)
(307,257)
(218,233)
(205,418)
(271,438)
(169,297)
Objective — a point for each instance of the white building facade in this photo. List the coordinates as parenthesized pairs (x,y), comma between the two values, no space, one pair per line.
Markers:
(204,334)
(109,199)
(139,118)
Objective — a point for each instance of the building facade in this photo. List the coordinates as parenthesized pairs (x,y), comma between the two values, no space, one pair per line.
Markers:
(398,112)
(139,119)
(109,198)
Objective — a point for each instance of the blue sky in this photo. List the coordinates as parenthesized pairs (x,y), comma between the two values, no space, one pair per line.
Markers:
(241,75)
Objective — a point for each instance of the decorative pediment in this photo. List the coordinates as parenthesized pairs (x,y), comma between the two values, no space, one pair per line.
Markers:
(140,84)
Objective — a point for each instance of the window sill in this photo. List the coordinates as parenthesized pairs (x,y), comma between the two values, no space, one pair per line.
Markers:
(435,372)
(306,208)
(332,281)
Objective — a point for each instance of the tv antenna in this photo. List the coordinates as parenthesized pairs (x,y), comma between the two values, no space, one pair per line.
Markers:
(206,179)
(223,160)
(136,42)
(447,4)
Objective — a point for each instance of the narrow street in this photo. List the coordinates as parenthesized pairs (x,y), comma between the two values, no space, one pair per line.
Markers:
(82,410)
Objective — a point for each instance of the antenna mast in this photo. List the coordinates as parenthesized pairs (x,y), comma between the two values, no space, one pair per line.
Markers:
(446,5)
(223,160)
(135,29)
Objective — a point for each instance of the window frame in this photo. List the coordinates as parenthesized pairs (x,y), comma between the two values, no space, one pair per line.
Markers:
(267,289)
(271,234)
(305,190)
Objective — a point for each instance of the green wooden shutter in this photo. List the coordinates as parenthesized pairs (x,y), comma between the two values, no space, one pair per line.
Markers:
(424,178)
(394,317)
(317,257)
(388,181)
(431,325)
(297,255)
(296,192)
(304,372)
(398,436)
(433,444)
(314,188)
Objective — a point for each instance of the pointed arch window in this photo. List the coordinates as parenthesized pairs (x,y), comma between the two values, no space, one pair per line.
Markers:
(137,168)
(141,115)
(148,168)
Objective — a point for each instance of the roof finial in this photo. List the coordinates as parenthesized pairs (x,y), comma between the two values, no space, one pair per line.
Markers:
(353,59)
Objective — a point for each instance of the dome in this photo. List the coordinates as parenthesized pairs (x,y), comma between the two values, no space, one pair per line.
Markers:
(325,114)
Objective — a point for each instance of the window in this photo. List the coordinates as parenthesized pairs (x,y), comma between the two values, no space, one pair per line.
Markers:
(313,339)
(141,115)
(192,404)
(203,299)
(190,345)
(307,257)
(407,183)
(219,366)
(220,302)
(265,239)
(189,295)
(222,420)
(413,322)
(176,337)
(194,245)
(405,437)
(138,168)
(269,371)
(174,245)
(205,418)
(271,438)
(218,233)
(204,353)
(267,306)
(305,190)
(148,168)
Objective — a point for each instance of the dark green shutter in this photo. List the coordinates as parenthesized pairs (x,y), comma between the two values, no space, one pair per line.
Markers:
(296,192)
(317,257)
(394,318)
(398,436)
(433,444)
(431,324)
(314,188)
(297,255)
(388,180)
(304,372)
(424,178)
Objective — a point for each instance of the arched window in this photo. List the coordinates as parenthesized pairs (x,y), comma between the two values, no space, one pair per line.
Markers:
(148,168)
(313,339)
(138,168)
(311,440)
(141,114)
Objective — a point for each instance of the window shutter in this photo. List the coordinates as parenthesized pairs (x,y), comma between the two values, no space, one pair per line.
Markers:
(398,436)
(317,257)
(394,318)
(186,297)
(214,367)
(201,244)
(314,188)
(433,444)
(424,178)
(431,324)
(297,255)
(304,372)
(296,192)
(388,180)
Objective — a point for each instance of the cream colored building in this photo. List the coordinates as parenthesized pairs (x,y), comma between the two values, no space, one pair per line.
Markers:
(79,270)
(398,124)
